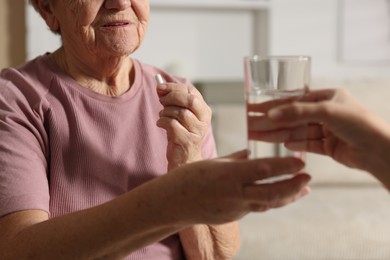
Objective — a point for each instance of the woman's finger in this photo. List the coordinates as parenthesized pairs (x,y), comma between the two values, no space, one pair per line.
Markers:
(243,154)
(277,194)
(185,117)
(192,102)
(264,168)
(166,88)
(186,96)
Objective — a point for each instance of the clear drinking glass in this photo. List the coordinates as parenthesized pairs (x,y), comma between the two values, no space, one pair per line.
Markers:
(269,78)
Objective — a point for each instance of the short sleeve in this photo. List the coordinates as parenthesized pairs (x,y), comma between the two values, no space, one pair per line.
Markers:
(23,153)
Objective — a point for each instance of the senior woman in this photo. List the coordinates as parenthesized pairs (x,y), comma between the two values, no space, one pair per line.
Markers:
(83,163)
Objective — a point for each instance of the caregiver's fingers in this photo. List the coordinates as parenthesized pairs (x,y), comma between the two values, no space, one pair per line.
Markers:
(298,113)
(311,96)
(313,146)
(261,123)
(302,132)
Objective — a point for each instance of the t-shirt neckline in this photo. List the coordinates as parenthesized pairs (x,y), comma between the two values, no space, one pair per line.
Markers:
(63,78)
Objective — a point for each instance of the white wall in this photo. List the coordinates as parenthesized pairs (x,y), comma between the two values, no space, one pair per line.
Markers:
(313,27)
(39,38)
(200,44)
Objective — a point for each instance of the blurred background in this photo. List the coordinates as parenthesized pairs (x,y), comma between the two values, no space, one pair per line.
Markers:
(347,216)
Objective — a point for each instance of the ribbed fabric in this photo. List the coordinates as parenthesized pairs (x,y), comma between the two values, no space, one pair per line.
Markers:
(66,148)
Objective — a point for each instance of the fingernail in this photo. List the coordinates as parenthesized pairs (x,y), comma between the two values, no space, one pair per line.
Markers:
(305,191)
(162,86)
(275,114)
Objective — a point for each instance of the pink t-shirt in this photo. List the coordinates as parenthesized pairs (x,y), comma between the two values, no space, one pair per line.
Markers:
(65,148)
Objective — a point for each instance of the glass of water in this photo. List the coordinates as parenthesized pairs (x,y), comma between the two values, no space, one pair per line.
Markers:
(269,78)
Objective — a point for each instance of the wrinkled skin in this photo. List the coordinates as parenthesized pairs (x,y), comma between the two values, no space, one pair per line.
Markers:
(186,117)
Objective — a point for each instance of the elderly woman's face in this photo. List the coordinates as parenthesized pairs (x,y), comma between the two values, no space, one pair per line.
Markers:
(114,27)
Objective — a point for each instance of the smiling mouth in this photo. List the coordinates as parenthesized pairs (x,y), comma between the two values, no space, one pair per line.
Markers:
(115,24)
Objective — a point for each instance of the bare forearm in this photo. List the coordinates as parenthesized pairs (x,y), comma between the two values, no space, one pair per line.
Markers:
(201,242)
(112,230)
(375,156)
(381,170)
(211,241)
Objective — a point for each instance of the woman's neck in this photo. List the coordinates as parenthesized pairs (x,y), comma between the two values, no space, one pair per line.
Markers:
(108,76)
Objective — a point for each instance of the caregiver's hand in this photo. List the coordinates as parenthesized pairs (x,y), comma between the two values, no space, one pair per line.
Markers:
(337,126)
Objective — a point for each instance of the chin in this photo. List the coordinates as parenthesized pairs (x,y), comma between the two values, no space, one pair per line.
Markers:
(118,51)
(124,48)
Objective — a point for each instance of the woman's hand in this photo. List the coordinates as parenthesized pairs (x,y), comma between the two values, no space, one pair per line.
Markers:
(223,190)
(186,117)
(329,122)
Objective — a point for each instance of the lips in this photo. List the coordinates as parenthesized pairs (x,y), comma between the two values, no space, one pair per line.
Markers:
(115,24)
